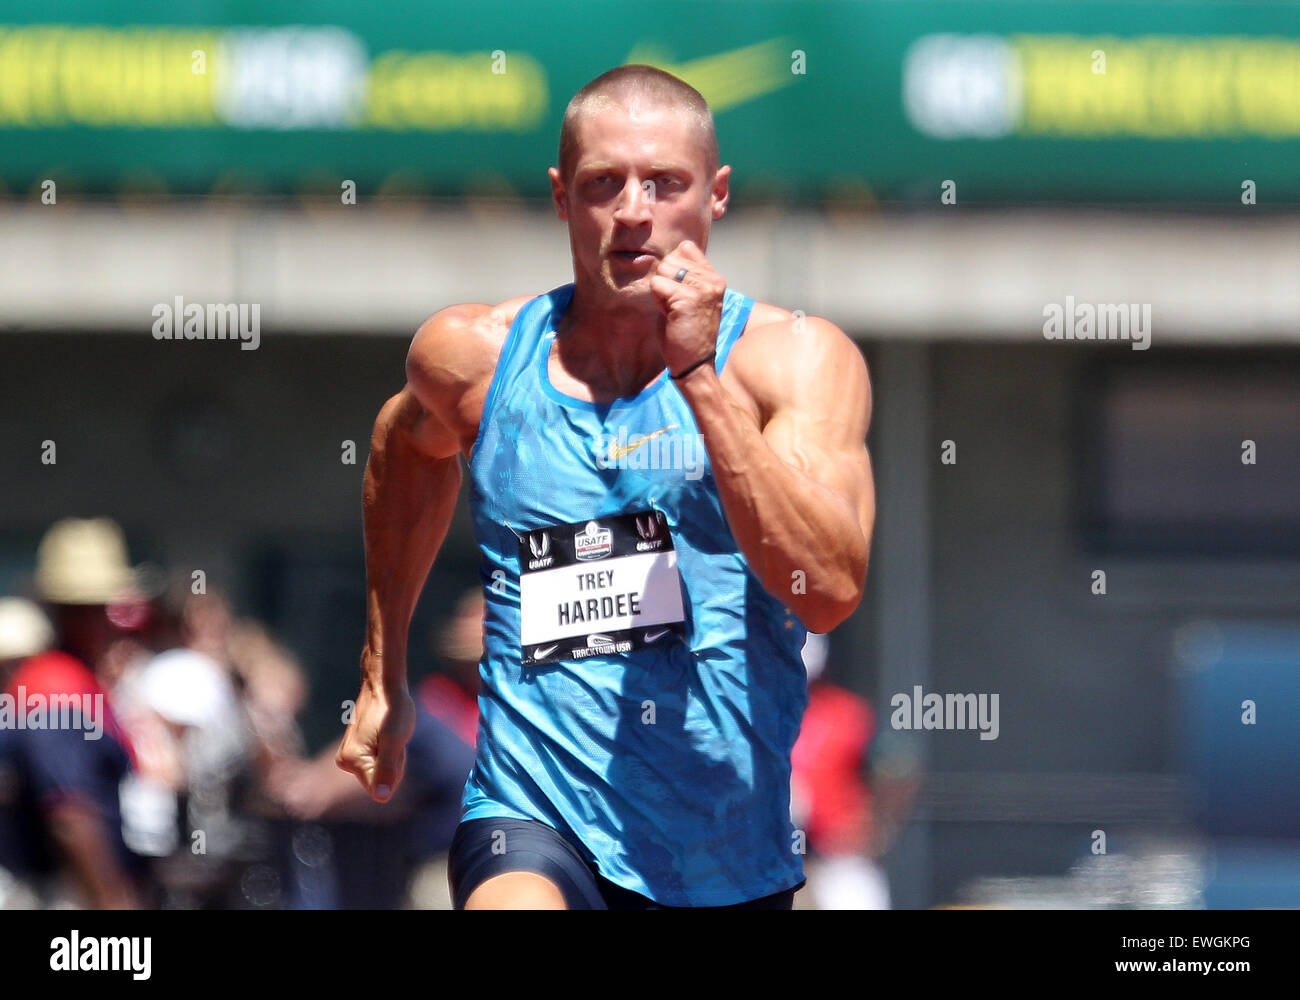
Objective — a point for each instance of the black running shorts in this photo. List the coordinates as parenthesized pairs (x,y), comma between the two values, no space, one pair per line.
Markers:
(492,846)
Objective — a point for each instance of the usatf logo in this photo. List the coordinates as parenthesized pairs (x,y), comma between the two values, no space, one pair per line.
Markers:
(539,544)
(593,542)
(647,527)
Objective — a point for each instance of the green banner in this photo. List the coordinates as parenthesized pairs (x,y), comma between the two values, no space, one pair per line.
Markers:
(977,102)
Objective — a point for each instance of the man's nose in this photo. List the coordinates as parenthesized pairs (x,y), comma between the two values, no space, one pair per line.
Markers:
(635,199)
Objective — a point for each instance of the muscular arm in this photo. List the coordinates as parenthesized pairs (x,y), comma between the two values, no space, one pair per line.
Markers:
(792,467)
(412,479)
(411,482)
(413,473)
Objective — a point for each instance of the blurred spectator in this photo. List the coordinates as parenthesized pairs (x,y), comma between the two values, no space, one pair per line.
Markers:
(831,800)
(24,632)
(150,823)
(196,684)
(67,841)
(272,684)
(451,694)
(209,704)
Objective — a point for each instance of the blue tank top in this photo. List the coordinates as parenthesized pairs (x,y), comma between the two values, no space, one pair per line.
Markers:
(666,764)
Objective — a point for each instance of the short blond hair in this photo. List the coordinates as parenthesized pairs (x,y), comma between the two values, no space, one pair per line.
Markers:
(620,87)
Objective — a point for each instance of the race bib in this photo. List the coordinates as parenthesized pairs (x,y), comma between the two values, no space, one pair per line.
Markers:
(598,587)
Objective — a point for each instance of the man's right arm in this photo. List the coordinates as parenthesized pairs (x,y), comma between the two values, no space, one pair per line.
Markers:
(412,479)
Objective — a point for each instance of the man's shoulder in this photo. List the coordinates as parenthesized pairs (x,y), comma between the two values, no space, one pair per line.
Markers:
(780,348)
(458,347)
(764,314)
(477,314)
(452,360)
(470,328)
(794,328)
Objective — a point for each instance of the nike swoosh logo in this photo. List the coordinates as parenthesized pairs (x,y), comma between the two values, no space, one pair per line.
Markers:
(629,448)
(728,79)
(539,653)
(652,636)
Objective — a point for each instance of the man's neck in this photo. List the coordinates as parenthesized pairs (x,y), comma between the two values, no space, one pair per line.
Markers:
(613,346)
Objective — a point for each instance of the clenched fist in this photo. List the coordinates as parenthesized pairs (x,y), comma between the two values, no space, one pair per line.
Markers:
(693,305)
(374,746)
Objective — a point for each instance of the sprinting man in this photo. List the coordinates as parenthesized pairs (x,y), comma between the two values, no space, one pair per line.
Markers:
(669,483)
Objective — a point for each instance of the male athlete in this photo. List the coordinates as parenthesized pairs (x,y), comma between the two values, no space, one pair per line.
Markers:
(669,484)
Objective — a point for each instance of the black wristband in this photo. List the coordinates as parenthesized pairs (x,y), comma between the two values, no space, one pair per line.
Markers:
(691,368)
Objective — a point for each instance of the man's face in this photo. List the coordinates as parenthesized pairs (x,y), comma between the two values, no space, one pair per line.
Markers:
(640,186)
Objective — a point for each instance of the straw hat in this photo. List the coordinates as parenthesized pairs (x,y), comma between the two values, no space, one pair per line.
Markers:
(83,562)
(24,629)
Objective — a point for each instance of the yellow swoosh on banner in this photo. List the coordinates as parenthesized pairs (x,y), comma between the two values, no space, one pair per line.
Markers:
(629,448)
(727,79)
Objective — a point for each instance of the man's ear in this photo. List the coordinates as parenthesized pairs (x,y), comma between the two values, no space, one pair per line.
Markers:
(558,194)
(721,191)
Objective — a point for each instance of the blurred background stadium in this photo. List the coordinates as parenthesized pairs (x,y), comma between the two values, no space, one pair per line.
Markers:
(933,177)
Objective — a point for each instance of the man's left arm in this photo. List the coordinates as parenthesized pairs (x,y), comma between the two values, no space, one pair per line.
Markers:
(796,485)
